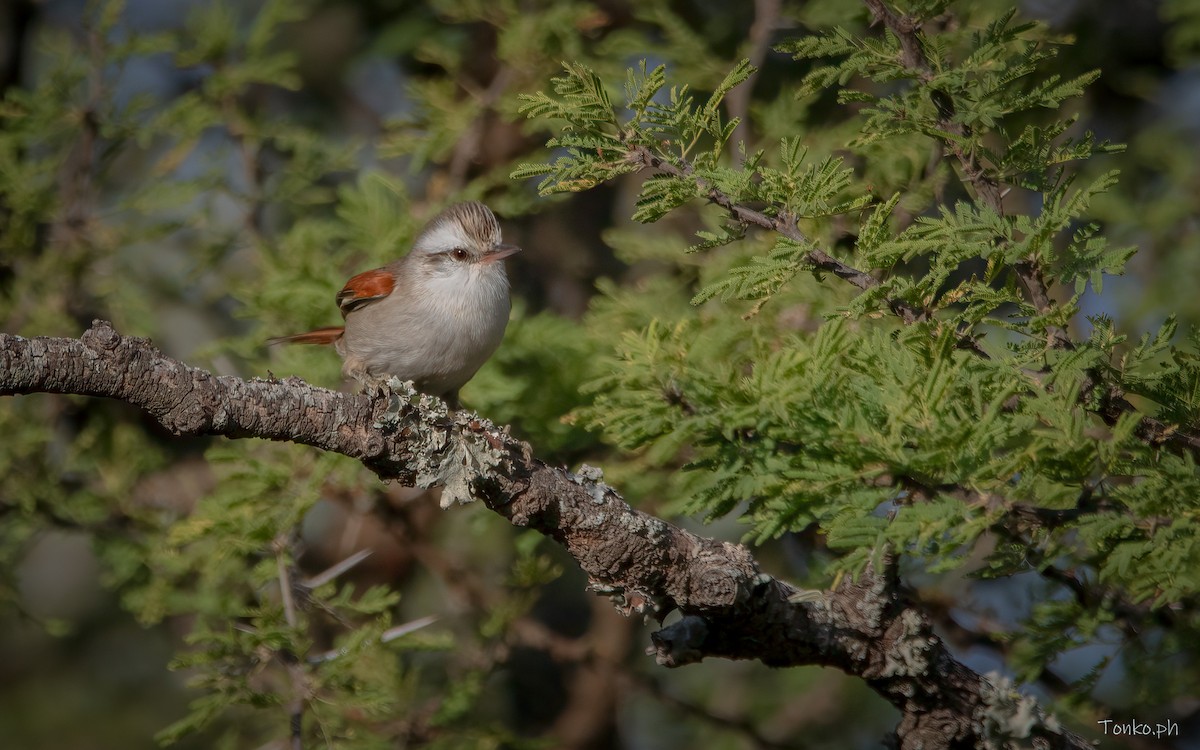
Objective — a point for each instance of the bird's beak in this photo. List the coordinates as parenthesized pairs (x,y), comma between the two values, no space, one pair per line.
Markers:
(500,252)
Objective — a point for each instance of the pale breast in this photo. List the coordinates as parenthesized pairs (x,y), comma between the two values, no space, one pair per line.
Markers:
(438,338)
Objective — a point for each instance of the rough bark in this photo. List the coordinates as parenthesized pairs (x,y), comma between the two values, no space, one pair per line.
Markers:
(730,608)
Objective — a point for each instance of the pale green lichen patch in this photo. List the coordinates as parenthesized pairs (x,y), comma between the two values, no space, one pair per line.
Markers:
(466,458)
(653,530)
(910,655)
(1006,716)
(400,394)
(447,451)
(592,479)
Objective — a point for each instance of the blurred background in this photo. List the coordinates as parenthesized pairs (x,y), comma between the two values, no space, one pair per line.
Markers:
(208,174)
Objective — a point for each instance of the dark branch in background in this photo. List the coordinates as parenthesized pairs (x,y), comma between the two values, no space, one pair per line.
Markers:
(1028,271)
(1112,404)
(737,724)
(238,131)
(913,57)
(1130,617)
(974,173)
(766,19)
(1014,527)
(77,174)
(647,566)
(471,142)
(15,20)
(784,225)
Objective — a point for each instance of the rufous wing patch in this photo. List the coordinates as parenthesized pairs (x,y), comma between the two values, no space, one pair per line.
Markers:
(365,288)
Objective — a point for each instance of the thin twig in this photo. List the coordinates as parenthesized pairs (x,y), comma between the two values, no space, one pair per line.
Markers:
(913,57)
(1130,616)
(783,224)
(786,226)
(1018,515)
(294,669)
(387,636)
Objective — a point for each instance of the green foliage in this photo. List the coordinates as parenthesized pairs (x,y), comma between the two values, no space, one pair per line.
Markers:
(938,433)
(827,317)
(231,206)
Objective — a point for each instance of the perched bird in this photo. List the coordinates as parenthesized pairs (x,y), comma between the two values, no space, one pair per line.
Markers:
(432,317)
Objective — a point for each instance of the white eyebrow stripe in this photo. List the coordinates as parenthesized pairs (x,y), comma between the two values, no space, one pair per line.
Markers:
(442,238)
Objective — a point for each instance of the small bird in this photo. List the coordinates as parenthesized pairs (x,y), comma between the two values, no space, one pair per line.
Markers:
(432,317)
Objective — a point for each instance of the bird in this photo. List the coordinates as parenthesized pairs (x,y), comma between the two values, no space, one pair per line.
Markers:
(432,317)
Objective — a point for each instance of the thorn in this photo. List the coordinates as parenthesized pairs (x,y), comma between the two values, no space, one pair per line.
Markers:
(336,570)
(400,631)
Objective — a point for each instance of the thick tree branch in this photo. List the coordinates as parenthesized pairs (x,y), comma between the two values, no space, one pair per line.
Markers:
(730,608)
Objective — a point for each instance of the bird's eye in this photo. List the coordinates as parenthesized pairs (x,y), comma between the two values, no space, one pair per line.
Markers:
(459,254)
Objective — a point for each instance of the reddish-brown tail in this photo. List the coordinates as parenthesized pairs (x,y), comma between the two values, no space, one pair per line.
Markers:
(324,336)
